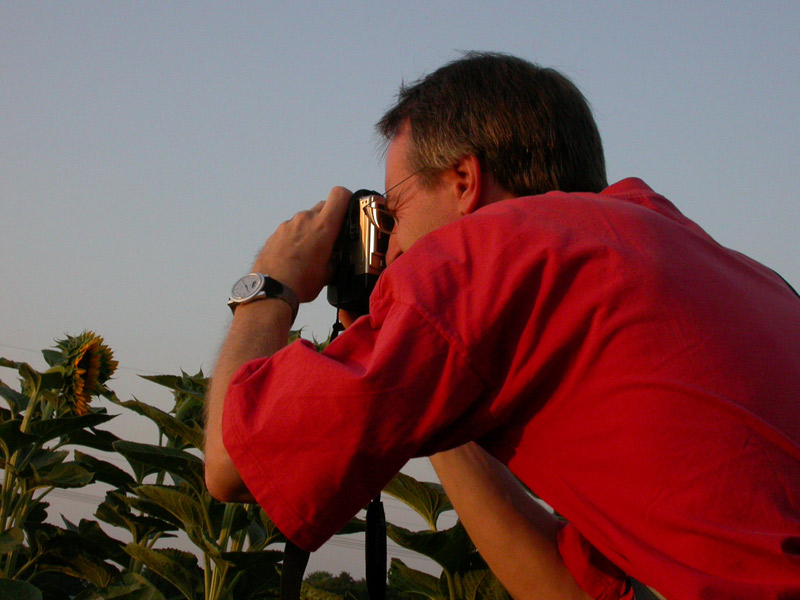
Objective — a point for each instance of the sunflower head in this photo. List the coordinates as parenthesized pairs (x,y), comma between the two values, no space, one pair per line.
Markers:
(85,363)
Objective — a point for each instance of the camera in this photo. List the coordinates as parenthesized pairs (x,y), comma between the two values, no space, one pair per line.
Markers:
(359,256)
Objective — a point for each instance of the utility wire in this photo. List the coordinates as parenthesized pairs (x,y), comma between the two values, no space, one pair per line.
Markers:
(122,368)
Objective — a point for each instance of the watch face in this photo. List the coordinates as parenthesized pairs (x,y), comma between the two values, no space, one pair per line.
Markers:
(247,287)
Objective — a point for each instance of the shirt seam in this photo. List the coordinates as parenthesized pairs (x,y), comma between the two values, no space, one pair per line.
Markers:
(451,338)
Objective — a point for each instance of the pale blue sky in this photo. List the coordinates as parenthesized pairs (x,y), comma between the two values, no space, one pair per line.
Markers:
(148,149)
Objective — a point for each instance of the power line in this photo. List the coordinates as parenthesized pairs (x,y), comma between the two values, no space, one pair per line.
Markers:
(354,542)
(121,368)
(95,499)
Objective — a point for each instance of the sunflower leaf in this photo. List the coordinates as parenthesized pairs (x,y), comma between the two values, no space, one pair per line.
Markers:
(16,401)
(149,458)
(427,499)
(63,426)
(168,567)
(12,439)
(66,475)
(449,548)
(105,471)
(412,583)
(18,590)
(11,539)
(182,506)
(129,586)
(167,424)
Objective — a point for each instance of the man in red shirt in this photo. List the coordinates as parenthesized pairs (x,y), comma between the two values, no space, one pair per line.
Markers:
(591,340)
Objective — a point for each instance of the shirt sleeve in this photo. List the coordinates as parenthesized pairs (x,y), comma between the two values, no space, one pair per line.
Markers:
(595,574)
(315,436)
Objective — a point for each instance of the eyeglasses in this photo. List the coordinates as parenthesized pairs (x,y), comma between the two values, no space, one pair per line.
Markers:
(375,207)
(377,213)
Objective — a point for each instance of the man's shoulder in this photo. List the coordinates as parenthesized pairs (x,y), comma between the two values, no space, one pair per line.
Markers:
(509,232)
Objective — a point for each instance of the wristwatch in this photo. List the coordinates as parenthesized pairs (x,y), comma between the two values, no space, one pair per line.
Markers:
(256,286)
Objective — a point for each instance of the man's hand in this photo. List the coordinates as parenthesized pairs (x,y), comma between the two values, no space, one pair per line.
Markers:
(298,254)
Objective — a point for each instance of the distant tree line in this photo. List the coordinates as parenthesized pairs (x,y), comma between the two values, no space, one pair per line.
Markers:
(345,586)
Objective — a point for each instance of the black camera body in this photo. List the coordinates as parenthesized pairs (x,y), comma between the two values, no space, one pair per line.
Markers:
(359,256)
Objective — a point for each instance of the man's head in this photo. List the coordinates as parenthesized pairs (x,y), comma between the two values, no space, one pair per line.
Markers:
(528,126)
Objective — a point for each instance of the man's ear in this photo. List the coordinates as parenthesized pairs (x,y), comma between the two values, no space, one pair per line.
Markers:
(469,184)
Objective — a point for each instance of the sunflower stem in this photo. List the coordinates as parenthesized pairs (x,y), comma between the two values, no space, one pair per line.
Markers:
(34,401)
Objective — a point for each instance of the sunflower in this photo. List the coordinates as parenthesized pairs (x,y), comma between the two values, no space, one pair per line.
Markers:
(86,364)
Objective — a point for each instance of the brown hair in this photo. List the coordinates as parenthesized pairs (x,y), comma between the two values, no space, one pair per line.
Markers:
(528,125)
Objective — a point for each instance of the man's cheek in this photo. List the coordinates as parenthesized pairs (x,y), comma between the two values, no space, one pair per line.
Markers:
(393,251)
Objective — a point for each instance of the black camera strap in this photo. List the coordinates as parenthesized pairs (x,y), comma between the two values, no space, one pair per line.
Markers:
(642,592)
(337,328)
(375,539)
(294,566)
(295,559)
(376,550)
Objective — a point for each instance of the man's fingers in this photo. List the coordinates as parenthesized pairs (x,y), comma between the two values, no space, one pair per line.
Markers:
(298,253)
(336,205)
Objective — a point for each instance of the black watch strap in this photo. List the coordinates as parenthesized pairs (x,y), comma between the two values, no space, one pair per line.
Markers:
(267,288)
(275,289)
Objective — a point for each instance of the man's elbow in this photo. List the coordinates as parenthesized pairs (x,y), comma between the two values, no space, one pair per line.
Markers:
(222,479)
(216,486)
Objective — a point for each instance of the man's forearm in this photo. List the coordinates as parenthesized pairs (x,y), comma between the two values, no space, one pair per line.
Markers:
(298,255)
(514,534)
(259,329)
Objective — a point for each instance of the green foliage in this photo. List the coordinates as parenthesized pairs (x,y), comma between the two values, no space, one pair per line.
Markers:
(464,576)
(168,495)
(41,419)
(427,499)
(49,431)
(47,435)
(18,590)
